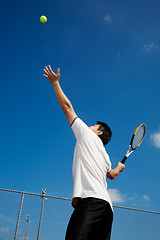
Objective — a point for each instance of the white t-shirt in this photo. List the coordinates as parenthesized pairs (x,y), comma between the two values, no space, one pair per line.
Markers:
(91,163)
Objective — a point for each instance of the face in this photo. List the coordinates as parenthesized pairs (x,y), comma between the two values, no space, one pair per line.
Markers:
(95,128)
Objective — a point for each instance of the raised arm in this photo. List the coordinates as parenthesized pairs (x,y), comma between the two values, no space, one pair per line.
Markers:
(62,99)
(114,172)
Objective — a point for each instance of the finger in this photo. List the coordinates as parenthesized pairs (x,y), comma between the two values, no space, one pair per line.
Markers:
(58,71)
(51,69)
(45,75)
(45,71)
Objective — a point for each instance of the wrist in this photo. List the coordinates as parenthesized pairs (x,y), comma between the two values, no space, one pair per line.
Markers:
(55,84)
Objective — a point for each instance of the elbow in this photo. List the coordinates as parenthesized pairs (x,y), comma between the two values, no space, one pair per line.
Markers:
(66,107)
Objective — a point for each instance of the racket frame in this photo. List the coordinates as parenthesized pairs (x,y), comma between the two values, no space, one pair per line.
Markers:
(130,145)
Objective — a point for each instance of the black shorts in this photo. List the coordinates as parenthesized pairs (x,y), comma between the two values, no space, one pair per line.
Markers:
(91,220)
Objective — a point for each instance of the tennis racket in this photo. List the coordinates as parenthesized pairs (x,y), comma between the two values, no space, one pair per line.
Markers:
(136,140)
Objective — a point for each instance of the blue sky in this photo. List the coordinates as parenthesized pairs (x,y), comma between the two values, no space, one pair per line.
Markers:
(109,54)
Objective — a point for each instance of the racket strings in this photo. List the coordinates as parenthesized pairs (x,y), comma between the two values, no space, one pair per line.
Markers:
(138,137)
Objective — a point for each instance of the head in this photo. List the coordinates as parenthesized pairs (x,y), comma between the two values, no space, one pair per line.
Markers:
(103,131)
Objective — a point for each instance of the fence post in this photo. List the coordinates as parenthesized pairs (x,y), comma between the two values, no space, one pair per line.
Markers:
(43,198)
(27,220)
(19,215)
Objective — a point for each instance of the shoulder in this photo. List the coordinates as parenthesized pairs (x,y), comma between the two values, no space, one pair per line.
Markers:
(79,128)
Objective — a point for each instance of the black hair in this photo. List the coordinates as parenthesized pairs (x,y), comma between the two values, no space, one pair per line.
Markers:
(107,133)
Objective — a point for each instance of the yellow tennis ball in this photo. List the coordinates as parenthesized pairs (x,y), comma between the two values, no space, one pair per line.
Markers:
(43,19)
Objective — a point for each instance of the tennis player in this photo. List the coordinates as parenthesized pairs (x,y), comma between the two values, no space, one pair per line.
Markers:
(93,212)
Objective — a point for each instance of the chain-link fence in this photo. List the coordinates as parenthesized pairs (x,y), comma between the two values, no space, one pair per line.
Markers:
(29,216)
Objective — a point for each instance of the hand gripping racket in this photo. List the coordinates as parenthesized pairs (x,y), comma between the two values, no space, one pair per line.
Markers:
(136,140)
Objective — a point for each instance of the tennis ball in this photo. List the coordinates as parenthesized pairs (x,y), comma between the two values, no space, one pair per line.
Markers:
(43,19)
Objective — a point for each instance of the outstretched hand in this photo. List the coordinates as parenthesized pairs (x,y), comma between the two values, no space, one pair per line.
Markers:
(53,77)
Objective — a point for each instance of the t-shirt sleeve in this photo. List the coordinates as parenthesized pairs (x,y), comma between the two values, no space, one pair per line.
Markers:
(79,128)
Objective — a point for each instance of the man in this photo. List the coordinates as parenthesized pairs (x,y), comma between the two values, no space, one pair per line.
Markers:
(93,214)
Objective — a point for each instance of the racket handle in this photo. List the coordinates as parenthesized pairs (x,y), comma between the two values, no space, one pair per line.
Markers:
(124,159)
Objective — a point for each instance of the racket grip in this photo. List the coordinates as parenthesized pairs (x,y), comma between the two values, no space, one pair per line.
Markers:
(124,159)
